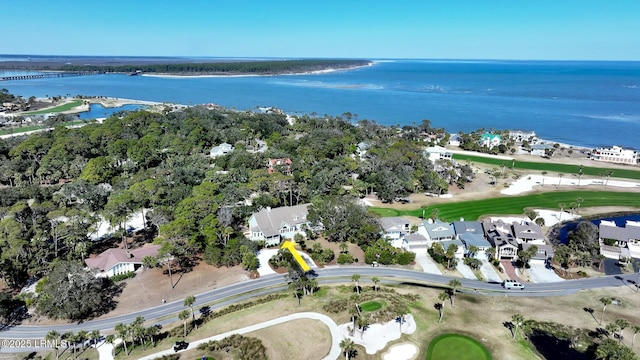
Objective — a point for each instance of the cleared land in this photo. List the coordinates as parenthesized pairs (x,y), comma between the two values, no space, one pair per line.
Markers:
(57,109)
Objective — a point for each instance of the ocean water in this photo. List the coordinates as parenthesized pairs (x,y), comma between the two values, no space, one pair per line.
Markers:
(581,103)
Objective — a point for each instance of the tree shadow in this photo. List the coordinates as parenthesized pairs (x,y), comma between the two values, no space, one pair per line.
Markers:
(552,348)
(590,311)
(509,325)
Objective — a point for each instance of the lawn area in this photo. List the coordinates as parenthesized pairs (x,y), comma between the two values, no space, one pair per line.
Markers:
(515,205)
(551,167)
(456,347)
(64,107)
(371,306)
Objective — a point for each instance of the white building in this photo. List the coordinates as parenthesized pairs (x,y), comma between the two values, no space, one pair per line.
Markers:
(615,154)
(220,150)
(272,225)
(434,153)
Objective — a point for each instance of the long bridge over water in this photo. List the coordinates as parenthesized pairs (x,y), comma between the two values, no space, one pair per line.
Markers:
(49,75)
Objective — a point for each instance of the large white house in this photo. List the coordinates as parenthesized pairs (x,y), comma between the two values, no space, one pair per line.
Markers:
(273,225)
(221,150)
(615,154)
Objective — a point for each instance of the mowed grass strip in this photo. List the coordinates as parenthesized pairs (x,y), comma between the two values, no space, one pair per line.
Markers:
(456,347)
(64,107)
(516,205)
(551,168)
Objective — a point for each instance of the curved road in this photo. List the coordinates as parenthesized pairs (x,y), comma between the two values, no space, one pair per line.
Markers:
(272,283)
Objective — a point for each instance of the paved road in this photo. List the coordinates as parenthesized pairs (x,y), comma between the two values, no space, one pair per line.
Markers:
(268,284)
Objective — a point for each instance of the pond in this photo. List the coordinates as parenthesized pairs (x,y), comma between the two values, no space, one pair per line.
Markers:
(619,221)
(99,111)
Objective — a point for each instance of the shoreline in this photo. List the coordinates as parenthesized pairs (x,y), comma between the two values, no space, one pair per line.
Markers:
(187,76)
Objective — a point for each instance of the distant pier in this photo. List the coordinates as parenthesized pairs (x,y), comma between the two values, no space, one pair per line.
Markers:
(49,75)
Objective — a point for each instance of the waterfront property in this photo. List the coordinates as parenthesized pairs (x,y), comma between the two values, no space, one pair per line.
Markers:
(490,140)
(434,153)
(273,225)
(615,154)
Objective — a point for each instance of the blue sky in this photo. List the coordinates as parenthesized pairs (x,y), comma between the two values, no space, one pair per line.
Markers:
(434,29)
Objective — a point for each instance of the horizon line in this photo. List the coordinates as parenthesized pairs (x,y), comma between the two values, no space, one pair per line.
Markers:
(316,57)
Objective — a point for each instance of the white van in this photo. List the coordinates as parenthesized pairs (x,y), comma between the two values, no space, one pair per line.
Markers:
(512,284)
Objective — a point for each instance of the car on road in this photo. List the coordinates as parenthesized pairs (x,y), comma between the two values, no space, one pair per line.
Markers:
(512,284)
(180,345)
(375,264)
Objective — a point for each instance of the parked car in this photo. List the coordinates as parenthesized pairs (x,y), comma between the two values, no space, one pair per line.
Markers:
(180,345)
(375,264)
(512,284)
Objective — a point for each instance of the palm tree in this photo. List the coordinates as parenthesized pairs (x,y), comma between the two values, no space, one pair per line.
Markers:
(152,332)
(561,206)
(184,315)
(375,281)
(347,345)
(442,297)
(362,324)
(110,339)
(517,320)
(491,252)
(95,336)
(189,301)
(579,201)
(54,336)
(636,330)
(544,173)
(560,175)
(612,328)
(454,283)
(605,301)
(608,174)
(343,247)
(122,330)
(355,278)
(621,324)
(472,251)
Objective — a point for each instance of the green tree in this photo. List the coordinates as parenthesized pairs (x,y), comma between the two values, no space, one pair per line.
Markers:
(609,349)
(123,330)
(621,324)
(347,346)
(636,330)
(184,315)
(454,284)
(375,282)
(605,301)
(189,301)
(355,278)
(54,337)
(517,320)
(440,306)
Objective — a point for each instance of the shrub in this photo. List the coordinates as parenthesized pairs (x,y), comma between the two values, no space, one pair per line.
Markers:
(345,258)
(582,273)
(405,257)
(125,276)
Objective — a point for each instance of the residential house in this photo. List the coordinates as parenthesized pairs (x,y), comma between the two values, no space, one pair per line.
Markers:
(416,241)
(455,139)
(528,232)
(540,149)
(434,153)
(282,165)
(119,261)
(436,231)
(257,146)
(361,150)
(499,235)
(471,239)
(490,140)
(523,135)
(460,251)
(221,150)
(627,237)
(462,227)
(615,154)
(544,253)
(273,225)
(394,227)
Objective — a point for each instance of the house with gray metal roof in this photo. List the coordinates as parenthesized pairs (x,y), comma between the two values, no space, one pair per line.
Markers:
(470,239)
(460,247)
(544,253)
(462,227)
(273,225)
(622,237)
(528,232)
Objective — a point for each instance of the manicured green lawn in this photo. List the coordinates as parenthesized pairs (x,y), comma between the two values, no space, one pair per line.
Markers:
(515,205)
(552,168)
(61,108)
(456,347)
(371,306)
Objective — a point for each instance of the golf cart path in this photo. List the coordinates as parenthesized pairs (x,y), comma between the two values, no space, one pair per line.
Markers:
(336,337)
